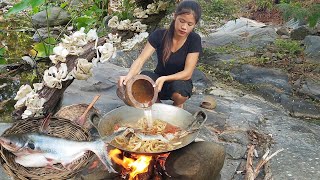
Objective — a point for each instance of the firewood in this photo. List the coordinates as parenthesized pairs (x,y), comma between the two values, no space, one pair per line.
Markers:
(251,172)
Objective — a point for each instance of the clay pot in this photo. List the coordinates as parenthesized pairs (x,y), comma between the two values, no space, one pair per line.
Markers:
(138,92)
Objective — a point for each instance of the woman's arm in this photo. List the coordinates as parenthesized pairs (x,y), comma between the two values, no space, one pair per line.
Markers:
(186,74)
(137,64)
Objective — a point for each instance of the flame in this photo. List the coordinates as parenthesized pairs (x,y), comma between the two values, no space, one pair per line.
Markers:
(135,166)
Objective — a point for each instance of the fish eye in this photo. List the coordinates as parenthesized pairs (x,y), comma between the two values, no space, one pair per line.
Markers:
(31,145)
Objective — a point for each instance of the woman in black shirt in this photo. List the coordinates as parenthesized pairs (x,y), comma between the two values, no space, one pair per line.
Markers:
(178,49)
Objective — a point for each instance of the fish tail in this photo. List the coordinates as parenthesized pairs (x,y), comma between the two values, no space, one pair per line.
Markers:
(100,149)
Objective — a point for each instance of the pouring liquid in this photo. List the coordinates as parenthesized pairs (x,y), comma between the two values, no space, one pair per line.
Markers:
(148,116)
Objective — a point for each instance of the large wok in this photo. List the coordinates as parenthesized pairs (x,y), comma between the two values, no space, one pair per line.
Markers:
(126,116)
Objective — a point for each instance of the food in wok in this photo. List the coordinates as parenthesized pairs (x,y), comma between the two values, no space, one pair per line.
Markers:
(143,137)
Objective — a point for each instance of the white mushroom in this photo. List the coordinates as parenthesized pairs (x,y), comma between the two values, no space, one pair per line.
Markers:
(92,35)
(53,77)
(34,106)
(113,38)
(107,51)
(74,50)
(83,70)
(37,86)
(140,13)
(130,43)
(138,27)
(23,91)
(78,38)
(60,51)
(152,9)
(55,59)
(124,25)
(162,6)
(113,22)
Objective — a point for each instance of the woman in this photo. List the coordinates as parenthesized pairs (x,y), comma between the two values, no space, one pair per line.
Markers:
(178,49)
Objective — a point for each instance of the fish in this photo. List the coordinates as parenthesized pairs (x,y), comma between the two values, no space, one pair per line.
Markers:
(147,137)
(143,136)
(37,149)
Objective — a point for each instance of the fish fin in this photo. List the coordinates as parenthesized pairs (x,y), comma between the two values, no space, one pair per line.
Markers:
(93,165)
(101,151)
(45,124)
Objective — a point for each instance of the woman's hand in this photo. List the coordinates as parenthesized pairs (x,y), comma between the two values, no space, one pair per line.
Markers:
(123,80)
(159,82)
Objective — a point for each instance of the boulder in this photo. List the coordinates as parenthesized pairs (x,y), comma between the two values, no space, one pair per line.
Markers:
(57,16)
(242,32)
(299,33)
(312,44)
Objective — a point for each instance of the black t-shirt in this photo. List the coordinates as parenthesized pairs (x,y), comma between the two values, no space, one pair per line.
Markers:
(176,61)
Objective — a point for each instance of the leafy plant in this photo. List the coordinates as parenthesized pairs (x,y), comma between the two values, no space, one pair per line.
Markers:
(92,16)
(302,12)
(288,46)
(44,48)
(2,60)
(216,9)
(24,4)
(264,4)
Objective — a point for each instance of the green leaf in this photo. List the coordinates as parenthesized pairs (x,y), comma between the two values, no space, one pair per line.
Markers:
(35,10)
(36,3)
(44,50)
(63,5)
(2,61)
(2,50)
(50,40)
(84,21)
(19,7)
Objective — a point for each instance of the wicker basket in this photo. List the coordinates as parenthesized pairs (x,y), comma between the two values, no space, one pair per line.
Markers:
(58,127)
(74,111)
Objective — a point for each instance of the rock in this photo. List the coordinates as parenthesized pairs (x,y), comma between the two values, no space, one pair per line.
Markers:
(42,33)
(299,33)
(200,80)
(311,88)
(57,16)
(285,37)
(235,136)
(248,74)
(283,31)
(318,27)
(235,150)
(304,109)
(312,50)
(197,161)
(242,32)
(126,58)
(294,24)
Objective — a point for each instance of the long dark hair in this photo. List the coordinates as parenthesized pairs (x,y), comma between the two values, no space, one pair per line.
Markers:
(184,7)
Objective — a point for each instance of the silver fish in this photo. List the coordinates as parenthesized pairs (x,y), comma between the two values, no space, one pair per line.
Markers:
(48,150)
(146,137)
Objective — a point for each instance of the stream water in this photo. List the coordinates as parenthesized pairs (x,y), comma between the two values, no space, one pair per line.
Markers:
(15,42)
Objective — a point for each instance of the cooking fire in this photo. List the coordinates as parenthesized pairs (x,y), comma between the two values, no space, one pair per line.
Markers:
(137,166)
